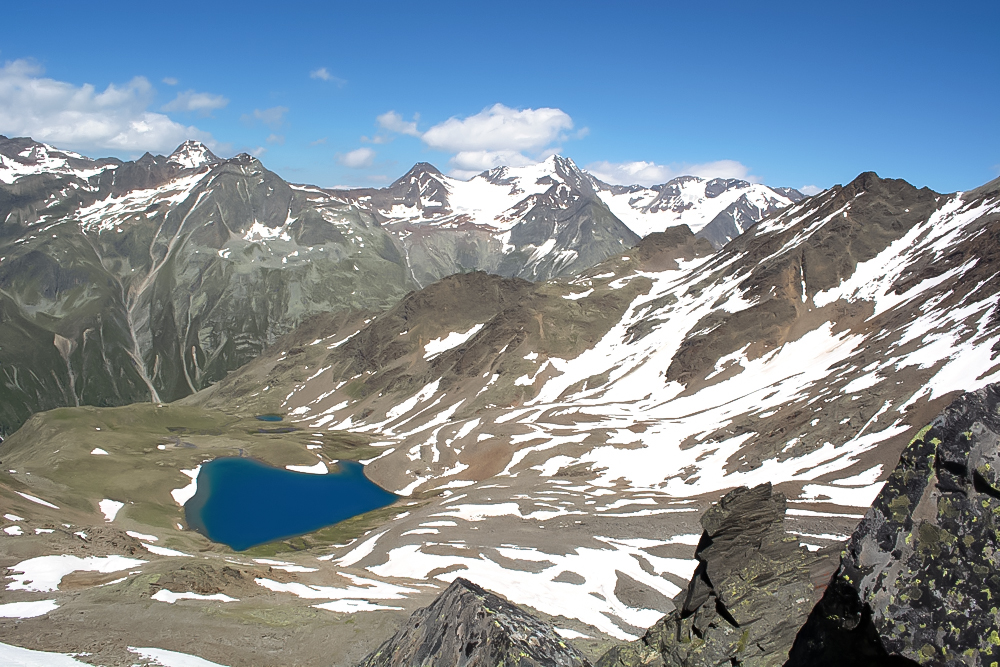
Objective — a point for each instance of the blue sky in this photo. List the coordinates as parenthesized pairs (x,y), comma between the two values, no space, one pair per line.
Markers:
(797,94)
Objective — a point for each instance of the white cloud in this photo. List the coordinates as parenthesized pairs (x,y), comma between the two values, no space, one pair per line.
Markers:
(497,135)
(170,81)
(469,163)
(650,173)
(393,122)
(323,74)
(276,139)
(644,173)
(273,117)
(722,169)
(500,128)
(318,142)
(810,190)
(357,159)
(203,103)
(81,118)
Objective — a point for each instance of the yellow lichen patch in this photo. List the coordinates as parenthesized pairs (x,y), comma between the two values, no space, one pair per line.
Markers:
(900,508)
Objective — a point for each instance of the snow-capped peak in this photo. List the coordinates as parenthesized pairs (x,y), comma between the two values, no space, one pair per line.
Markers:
(192,154)
(22,156)
(696,202)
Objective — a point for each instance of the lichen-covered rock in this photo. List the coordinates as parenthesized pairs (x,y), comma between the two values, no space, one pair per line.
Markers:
(751,592)
(920,581)
(467,626)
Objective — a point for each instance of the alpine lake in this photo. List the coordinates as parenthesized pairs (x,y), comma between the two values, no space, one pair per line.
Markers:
(243,503)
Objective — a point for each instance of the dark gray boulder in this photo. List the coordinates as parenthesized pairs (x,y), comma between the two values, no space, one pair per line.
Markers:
(920,580)
(467,626)
(751,592)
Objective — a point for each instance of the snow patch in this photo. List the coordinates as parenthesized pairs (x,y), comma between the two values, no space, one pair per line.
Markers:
(26,610)
(44,573)
(163,595)
(110,508)
(319,468)
(437,346)
(186,493)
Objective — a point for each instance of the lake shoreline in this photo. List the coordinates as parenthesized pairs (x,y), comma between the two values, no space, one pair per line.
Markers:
(243,503)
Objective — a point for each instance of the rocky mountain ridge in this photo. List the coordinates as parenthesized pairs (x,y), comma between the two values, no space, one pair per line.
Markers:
(552,218)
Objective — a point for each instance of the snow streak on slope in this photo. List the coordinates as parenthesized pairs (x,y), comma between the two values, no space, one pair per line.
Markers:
(111,213)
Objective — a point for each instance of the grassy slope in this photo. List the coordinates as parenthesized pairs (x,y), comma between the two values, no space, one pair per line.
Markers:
(53,460)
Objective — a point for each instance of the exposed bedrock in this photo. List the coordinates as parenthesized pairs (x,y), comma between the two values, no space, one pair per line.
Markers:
(751,592)
(467,626)
(920,580)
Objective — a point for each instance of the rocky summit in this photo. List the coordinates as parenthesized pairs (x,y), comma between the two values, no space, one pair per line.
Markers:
(751,592)
(467,626)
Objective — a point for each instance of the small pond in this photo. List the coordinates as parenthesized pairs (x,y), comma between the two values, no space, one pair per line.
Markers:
(269,418)
(242,503)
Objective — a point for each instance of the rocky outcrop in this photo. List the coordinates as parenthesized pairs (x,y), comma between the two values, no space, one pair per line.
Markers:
(921,576)
(753,589)
(467,626)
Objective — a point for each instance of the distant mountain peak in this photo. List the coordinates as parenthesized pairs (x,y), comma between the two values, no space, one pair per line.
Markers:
(417,171)
(193,154)
(21,156)
(243,158)
(425,166)
(497,176)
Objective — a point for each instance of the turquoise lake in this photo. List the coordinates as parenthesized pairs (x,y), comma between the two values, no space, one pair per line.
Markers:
(242,503)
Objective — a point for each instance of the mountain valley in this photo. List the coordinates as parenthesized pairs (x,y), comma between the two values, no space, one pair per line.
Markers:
(557,376)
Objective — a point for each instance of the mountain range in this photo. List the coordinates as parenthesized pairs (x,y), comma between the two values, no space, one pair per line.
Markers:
(152,279)
(550,219)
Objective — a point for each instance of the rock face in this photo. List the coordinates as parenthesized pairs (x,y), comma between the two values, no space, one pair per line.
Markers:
(919,580)
(467,626)
(753,589)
